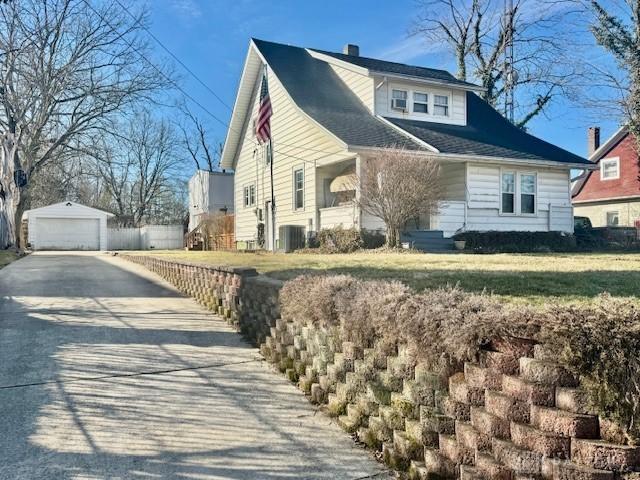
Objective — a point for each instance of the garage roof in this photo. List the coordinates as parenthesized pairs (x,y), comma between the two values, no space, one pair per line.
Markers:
(56,206)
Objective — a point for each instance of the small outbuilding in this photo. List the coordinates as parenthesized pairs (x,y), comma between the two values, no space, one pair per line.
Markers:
(67,226)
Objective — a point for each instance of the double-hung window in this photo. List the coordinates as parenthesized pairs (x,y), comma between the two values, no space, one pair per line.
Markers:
(508,192)
(610,168)
(249,195)
(613,219)
(399,99)
(518,193)
(527,193)
(298,189)
(441,105)
(420,102)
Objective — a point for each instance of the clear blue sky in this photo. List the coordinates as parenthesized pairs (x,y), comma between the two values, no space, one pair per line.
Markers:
(212,36)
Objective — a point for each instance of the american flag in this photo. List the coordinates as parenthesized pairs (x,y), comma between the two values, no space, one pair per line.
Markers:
(263,124)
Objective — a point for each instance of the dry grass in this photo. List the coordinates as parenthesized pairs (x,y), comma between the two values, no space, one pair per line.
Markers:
(6,257)
(534,278)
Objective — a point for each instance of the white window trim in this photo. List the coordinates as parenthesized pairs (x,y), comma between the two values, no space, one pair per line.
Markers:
(515,193)
(431,94)
(535,194)
(448,105)
(247,188)
(413,102)
(606,220)
(517,203)
(295,169)
(610,160)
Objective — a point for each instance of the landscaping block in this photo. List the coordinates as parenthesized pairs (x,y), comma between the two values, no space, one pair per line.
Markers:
(436,463)
(481,377)
(506,407)
(529,392)
(490,468)
(517,459)
(603,455)
(564,423)
(460,391)
(548,444)
(539,371)
(489,424)
(565,470)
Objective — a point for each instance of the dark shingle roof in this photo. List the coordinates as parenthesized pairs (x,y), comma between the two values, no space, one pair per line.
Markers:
(487,133)
(321,94)
(384,66)
(317,90)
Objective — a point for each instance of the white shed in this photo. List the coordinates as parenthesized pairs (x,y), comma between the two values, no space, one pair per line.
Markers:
(67,226)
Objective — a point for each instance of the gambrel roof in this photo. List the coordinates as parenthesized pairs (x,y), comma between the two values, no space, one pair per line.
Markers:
(319,92)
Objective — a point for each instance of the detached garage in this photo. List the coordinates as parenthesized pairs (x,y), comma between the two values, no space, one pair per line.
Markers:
(67,226)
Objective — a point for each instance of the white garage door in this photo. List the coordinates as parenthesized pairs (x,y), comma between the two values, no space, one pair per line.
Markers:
(67,234)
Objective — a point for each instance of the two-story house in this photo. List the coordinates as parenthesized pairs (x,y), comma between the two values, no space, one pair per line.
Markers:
(610,195)
(332,110)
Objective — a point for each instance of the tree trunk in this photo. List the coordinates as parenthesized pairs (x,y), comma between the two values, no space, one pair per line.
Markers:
(392,237)
(10,191)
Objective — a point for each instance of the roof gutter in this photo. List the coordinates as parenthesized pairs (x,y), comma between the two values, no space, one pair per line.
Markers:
(477,158)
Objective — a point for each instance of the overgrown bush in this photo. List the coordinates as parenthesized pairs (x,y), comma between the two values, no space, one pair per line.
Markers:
(600,344)
(517,242)
(445,327)
(340,240)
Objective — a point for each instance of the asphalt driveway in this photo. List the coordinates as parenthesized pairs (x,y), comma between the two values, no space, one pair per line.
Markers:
(107,372)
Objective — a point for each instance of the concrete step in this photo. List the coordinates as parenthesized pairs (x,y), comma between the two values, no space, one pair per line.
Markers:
(422,234)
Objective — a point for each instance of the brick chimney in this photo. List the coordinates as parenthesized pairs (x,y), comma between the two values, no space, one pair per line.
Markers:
(350,49)
(593,140)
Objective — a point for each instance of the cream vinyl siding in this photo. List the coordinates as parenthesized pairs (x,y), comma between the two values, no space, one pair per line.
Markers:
(452,178)
(361,85)
(457,101)
(483,206)
(297,141)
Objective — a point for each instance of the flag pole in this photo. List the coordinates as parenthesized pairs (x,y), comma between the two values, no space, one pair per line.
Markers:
(273,196)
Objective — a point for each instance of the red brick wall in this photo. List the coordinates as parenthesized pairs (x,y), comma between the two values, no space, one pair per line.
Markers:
(626,185)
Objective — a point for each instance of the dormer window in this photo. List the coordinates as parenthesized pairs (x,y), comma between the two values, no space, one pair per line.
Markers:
(399,99)
(441,105)
(420,102)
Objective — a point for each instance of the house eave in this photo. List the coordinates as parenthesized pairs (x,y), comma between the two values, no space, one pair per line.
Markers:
(606,200)
(429,81)
(450,157)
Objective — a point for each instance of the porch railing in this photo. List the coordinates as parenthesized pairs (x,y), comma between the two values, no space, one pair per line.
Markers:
(342,215)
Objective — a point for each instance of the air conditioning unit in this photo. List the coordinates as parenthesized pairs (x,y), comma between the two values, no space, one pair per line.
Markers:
(399,104)
(292,237)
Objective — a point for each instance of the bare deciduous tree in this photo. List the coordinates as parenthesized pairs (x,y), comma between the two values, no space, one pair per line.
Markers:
(476,33)
(398,186)
(139,169)
(616,27)
(195,139)
(66,67)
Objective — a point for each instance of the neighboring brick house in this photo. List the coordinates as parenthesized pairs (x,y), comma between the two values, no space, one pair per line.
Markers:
(610,195)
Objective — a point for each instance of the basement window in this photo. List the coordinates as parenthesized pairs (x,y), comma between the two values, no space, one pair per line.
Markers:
(613,219)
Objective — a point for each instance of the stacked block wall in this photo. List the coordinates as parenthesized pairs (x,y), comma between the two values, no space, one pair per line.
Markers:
(515,414)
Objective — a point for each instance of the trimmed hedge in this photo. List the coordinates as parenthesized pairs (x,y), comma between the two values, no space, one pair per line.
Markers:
(517,242)
(340,240)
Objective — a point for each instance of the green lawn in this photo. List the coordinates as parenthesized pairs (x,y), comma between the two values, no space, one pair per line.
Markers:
(7,257)
(534,278)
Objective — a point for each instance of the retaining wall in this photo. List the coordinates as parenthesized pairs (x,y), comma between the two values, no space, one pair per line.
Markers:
(515,414)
